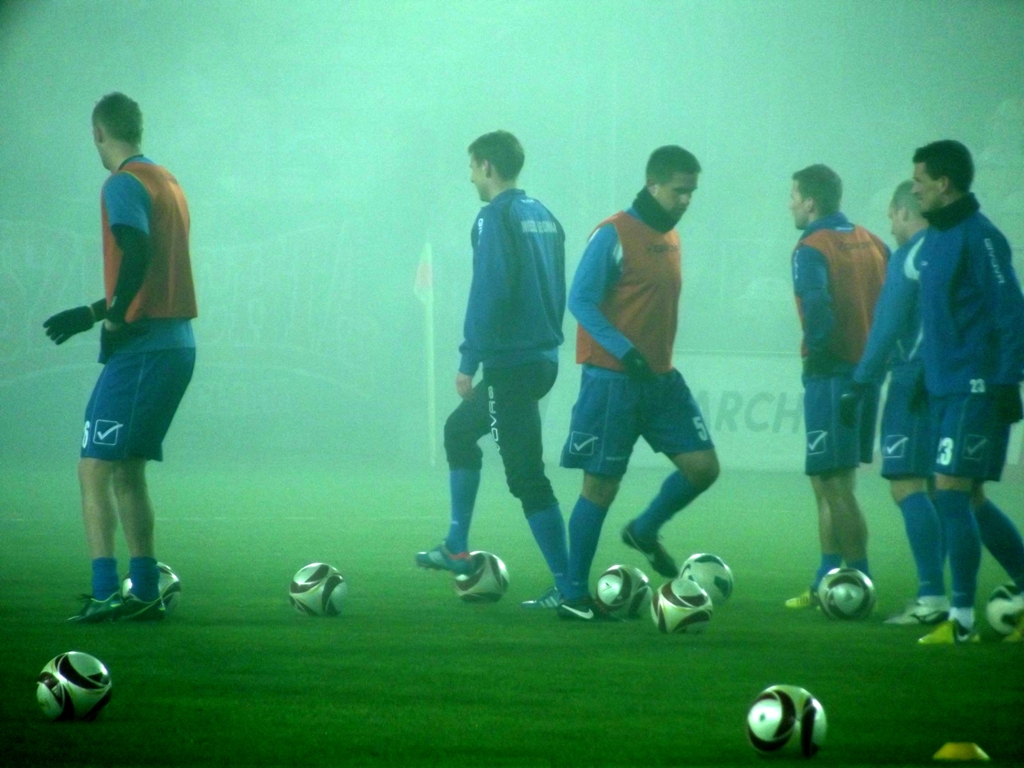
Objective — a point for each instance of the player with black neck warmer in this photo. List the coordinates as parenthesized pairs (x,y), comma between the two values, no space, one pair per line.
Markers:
(626,298)
(972,313)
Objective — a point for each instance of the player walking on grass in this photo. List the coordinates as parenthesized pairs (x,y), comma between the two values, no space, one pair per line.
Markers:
(972,316)
(148,353)
(838,269)
(513,329)
(908,450)
(625,296)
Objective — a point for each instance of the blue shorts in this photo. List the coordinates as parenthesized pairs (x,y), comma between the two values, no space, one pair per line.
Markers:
(971,441)
(613,411)
(830,445)
(133,403)
(907,446)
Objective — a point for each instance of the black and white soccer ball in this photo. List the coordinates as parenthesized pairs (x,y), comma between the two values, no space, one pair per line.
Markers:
(486,583)
(623,590)
(786,720)
(711,572)
(1004,608)
(681,605)
(846,593)
(73,686)
(169,586)
(318,590)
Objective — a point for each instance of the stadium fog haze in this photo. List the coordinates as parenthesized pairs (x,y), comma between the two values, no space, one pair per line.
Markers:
(322,147)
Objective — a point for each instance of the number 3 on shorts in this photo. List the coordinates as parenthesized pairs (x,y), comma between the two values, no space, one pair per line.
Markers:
(702,431)
(945,451)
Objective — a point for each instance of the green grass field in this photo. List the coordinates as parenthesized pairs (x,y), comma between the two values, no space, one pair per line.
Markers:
(409,675)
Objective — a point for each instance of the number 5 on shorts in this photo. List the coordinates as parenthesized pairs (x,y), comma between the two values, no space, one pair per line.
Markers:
(702,431)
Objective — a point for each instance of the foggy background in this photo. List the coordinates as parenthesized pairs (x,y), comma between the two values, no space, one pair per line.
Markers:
(322,147)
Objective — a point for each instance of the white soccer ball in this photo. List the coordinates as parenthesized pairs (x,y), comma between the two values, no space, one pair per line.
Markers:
(680,606)
(711,572)
(846,593)
(1004,608)
(73,686)
(169,586)
(318,590)
(486,583)
(622,590)
(787,720)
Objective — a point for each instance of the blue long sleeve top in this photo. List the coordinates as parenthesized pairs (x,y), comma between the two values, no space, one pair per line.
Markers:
(972,308)
(517,296)
(895,339)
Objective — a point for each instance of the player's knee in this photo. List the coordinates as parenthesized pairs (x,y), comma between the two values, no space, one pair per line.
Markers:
(94,471)
(600,490)
(128,476)
(702,472)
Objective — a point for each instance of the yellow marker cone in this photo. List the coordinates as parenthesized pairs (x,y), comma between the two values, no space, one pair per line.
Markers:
(960,750)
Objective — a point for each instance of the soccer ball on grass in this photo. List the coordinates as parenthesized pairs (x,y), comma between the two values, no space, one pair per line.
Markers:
(486,583)
(786,720)
(318,590)
(73,686)
(680,606)
(846,593)
(1004,608)
(711,572)
(622,590)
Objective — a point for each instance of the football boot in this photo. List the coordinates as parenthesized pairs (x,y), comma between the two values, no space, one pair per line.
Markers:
(950,632)
(653,550)
(440,559)
(549,599)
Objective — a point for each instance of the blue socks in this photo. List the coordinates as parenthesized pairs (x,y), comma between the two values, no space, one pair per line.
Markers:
(1001,537)
(104,578)
(828,562)
(464,484)
(676,492)
(925,535)
(964,544)
(145,578)
(584,533)
(549,531)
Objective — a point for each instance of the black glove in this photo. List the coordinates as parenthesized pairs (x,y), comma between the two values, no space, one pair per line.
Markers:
(111,341)
(66,324)
(849,402)
(1007,403)
(636,365)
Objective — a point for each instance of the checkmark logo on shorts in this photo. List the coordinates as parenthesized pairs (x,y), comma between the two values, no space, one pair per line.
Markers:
(582,444)
(816,441)
(895,446)
(974,447)
(105,432)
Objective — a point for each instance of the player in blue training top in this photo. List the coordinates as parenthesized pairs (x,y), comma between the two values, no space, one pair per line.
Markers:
(907,447)
(626,298)
(838,270)
(148,351)
(972,316)
(513,330)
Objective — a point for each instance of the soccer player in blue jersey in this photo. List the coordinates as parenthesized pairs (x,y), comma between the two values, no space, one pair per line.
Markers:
(625,296)
(513,329)
(838,269)
(148,352)
(972,313)
(907,447)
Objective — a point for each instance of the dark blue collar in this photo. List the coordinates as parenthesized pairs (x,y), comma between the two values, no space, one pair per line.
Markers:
(506,195)
(835,220)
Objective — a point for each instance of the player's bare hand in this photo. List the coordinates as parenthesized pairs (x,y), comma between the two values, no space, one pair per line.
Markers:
(464,386)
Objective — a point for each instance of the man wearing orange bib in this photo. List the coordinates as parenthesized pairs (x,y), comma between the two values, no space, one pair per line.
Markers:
(148,353)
